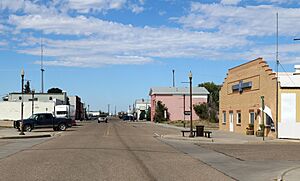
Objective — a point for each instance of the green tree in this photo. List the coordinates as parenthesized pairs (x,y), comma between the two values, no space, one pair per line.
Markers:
(201,110)
(213,90)
(148,114)
(54,90)
(27,87)
(142,115)
(161,113)
(213,100)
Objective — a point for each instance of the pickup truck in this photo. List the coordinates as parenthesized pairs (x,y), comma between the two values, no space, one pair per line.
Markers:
(44,120)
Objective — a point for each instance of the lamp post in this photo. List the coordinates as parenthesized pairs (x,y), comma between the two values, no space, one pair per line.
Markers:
(263,115)
(191,104)
(32,108)
(22,104)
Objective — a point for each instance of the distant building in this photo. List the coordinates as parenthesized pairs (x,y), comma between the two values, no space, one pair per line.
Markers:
(41,97)
(177,100)
(241,103)
(141,107)
(78,106)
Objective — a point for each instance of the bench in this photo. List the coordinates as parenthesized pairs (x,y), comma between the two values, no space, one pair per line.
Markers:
(188,131)
(207,133)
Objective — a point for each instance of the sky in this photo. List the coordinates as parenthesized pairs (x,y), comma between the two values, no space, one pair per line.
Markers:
(114,51)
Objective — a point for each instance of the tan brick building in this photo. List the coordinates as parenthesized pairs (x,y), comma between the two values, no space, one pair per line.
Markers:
(241,103)
(240,97)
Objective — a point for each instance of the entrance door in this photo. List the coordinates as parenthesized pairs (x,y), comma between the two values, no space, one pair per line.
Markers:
(231,121)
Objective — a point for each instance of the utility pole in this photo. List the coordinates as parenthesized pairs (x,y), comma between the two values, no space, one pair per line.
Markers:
(88,111)
(108,107)
(173,77)
(277,64)
(115,110)
(42,67)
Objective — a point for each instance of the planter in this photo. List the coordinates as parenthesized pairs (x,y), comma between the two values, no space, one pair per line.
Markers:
(259,133)
(250,132)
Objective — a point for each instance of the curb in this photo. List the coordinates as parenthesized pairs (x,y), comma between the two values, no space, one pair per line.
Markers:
(25,137)
(207,140)
(281,177)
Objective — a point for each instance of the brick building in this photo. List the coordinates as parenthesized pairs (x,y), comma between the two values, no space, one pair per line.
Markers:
(241,102)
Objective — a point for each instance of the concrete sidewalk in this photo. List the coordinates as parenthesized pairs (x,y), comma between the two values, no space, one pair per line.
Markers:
(12,133)
(219,137)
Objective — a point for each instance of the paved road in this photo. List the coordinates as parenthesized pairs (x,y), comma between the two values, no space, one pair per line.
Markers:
(113,151)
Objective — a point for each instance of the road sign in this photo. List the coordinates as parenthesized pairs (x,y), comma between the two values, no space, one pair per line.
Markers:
(187,112)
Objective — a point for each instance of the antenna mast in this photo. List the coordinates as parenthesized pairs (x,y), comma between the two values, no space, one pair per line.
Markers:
(42,67)
(277,64)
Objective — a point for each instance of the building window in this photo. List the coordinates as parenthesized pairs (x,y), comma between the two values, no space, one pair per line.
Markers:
(251,117)
(224,117)
(238,118)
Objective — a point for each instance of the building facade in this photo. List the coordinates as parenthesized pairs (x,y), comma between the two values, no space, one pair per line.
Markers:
(141,107)
(241,96)
(62,98)
(75,101)
(177,101)
(248,98)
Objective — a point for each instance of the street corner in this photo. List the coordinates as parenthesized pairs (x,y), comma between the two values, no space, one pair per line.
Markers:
(292,174)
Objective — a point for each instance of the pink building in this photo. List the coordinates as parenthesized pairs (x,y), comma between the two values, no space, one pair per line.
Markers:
(177,100)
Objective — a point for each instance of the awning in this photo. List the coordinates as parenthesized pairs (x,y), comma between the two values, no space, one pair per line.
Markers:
(268,111)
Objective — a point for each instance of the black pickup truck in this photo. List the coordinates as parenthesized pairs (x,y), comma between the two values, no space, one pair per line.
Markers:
(44,120)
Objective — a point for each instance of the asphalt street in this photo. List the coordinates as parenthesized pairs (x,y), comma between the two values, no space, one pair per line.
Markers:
(113,151)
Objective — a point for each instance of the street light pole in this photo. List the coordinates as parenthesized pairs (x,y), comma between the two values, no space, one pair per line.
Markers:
(22,104)
(32,109)
(263,115)
(191,105)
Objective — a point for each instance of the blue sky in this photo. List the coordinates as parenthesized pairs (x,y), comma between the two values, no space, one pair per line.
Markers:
(113,51)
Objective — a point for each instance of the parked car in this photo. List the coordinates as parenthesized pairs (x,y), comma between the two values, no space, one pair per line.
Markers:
(44,120)
(128,118)
(102,118)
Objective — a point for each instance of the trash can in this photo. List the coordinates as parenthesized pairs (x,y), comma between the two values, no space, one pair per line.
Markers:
(199,130)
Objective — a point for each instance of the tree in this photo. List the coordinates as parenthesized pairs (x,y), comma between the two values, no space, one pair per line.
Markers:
(148,114)
(54,90)
(161,113)
(27,87)
(213,100)
(213,89)
(142,115)
(201,110)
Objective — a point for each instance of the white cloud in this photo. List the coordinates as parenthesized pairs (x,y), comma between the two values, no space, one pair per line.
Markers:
(85,6)
(279,1)
(210,31)
(136,9)
(241,21)
(128,44)
(230,2)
